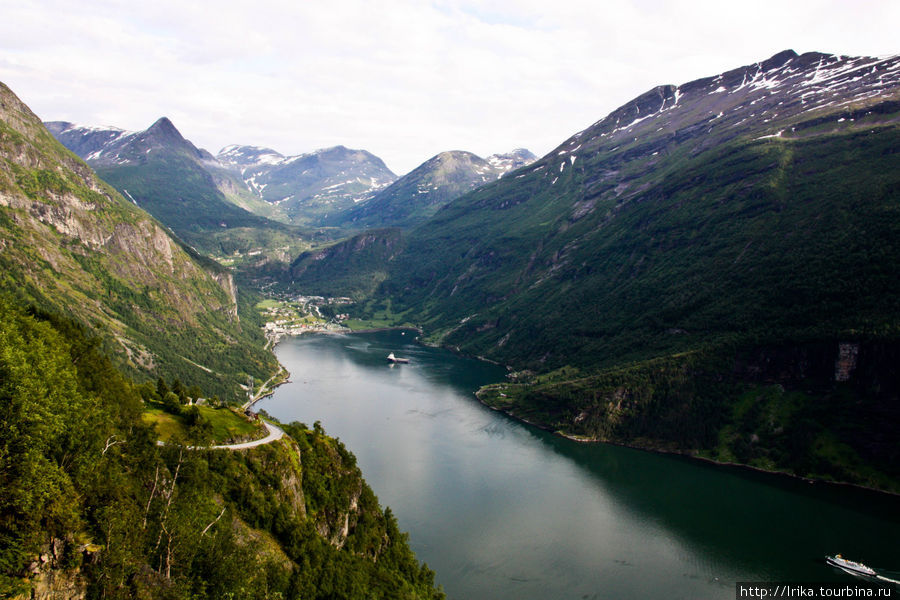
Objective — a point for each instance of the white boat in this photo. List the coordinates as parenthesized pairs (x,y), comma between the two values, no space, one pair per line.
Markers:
(394,359)
(851,566)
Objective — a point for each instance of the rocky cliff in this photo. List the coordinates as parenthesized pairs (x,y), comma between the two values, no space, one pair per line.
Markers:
(74,245)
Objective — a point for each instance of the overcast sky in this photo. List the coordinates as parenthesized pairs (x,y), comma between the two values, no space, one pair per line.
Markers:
(401,79)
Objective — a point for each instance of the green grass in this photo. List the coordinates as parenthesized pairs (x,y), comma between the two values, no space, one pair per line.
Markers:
(377,315)
(268,303)
(167,425)
(226,424)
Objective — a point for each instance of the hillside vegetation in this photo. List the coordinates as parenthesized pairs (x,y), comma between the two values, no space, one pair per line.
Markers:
(200,200)
(354,267)
(93,507)
(72,244)
(656,274)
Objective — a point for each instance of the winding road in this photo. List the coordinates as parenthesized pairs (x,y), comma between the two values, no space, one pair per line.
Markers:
(275,434)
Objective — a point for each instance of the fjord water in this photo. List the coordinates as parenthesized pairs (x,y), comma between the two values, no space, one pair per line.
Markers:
(500,509)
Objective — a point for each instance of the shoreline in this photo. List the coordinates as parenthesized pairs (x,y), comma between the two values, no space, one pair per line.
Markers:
(391,328)
(266,390)
(690,456)
(586,440)
(273,342)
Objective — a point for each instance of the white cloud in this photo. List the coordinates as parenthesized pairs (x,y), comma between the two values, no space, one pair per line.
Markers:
(403,79)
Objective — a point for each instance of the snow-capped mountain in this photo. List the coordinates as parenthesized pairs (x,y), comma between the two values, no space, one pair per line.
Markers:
(510,161)
(243,157)
(110,146)
(310,186)
(781,96)
(734,201)
(162,172)
(419,194)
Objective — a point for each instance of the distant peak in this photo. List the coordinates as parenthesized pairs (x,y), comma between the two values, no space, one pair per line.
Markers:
(455,154)
(339,149)
(523,153)
(779,60)
(59,125)
(164,126)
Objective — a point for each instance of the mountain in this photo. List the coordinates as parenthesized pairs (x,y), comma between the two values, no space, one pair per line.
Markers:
(72,245)
(510,161)
(93,506)
(353,267)
(675,180)
(309,187)
(660,271)
(184,187)
(106,147)
(85,141)
(416,196)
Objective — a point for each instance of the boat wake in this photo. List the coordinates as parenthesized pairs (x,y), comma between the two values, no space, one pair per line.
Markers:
(888,579)
(860,570)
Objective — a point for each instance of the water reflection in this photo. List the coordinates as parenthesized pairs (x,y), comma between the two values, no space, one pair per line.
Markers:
(503,510)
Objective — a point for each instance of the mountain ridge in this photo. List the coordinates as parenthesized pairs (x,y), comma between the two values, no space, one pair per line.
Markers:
(415,197)
(186,188)
(72,244)
(312,185)
(628,273)
(621,148)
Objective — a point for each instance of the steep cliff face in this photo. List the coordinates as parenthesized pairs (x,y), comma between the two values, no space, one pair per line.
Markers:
(50,579)
(74,245)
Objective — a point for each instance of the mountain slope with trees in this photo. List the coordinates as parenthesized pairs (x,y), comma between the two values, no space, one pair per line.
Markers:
(73,245)
(92,507)
(187,189)
(739,228)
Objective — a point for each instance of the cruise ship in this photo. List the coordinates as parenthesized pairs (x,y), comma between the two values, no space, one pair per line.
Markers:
(850,566)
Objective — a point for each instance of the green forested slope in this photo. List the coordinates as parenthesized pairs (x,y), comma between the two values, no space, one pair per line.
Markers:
(354,267)
(185,188)
(416,196)
(70,243)
(90,506)
(765,240)
(710,269)
(179,192)
(706,316)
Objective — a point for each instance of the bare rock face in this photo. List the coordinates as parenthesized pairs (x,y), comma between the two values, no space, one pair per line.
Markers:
(74,245)
(292,485)
(54,584)
(49,580)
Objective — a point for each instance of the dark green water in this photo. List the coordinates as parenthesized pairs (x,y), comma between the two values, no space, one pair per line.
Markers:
(503,510)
